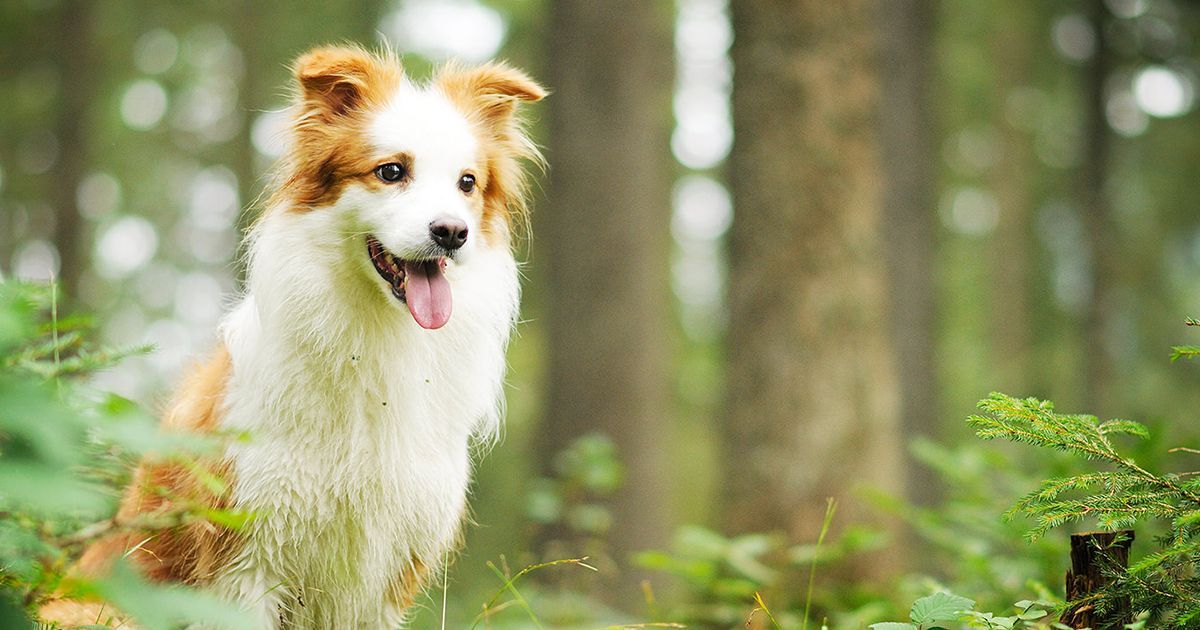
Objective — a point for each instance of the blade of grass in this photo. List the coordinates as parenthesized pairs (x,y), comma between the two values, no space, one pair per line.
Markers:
(520,599)
(445,586)
(830,509)
(509,582)
(54,332)
(762,605)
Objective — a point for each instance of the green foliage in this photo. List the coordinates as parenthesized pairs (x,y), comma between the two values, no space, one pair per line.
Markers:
(961,538)
(572,508)
(943,610)
(1163,583)
(1184,352)
(63,450)
(587,474)
(727,577)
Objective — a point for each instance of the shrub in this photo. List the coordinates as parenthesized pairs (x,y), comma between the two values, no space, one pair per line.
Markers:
(65,449)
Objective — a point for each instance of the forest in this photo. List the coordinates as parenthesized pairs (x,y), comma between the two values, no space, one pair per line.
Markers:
(833,314)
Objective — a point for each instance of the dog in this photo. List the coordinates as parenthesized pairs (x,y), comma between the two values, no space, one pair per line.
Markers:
(366,358)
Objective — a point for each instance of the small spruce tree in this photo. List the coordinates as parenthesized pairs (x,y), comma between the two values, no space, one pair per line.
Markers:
(1164,583)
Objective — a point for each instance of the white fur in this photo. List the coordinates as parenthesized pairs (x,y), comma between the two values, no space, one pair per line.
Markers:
(361,422)
(425,125)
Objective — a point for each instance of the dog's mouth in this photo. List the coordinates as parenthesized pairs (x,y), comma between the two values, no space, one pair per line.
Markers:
(420,284)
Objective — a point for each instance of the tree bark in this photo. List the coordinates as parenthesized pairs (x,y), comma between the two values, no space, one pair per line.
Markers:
(265,59)
(1097,219)
(812,404)
(251,100)
(1014,246)
(1092,556)
(75,60)
(602,243)
(907,136)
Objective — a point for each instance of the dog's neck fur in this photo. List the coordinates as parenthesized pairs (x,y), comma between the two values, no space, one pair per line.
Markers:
(365,418)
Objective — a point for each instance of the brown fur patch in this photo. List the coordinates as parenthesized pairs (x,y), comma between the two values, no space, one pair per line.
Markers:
(189,553)
(71,613)
(337,87)
(402,590)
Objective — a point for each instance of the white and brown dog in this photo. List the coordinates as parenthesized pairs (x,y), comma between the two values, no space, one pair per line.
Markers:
(366,358)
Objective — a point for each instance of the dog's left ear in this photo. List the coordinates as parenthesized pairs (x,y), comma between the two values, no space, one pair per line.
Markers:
(492,90)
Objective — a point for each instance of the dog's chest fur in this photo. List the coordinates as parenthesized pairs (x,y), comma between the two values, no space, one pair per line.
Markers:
(360,428)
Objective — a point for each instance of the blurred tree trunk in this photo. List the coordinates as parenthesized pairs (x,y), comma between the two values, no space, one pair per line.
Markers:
(1014,43)
(270,38)
(74,59)
(254,98)
(812,404)
(909,161)
(603,243)
(1097,220)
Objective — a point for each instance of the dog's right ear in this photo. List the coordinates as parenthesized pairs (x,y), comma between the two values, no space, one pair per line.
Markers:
(337,80)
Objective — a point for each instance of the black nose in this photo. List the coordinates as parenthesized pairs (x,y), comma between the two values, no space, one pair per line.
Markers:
(448,232)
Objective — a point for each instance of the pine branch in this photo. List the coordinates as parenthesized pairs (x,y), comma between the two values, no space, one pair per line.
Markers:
(1165,582)
(1184,352)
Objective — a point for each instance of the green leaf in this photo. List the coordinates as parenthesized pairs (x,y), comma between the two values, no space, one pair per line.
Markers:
(12,616)
(892,625)
(232,519)
(166,607)
(939,607)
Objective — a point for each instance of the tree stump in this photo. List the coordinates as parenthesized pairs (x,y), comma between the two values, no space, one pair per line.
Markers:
(1094,557)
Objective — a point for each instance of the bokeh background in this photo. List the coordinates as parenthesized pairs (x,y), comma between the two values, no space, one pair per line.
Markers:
(780,252)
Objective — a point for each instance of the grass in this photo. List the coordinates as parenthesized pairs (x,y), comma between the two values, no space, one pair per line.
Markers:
(491,607)
(830,509)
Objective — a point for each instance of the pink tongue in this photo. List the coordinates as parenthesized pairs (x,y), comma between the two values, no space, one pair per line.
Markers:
(428,293)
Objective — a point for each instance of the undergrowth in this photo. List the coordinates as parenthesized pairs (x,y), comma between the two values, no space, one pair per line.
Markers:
(64,449)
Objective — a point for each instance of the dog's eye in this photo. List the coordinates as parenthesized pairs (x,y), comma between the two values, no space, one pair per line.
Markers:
(466,183)
(391,172)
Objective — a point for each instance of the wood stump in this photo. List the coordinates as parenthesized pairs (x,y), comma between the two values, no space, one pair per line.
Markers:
(1094,554)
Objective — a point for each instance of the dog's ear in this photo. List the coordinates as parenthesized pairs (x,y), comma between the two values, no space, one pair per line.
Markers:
(336,80)
(491,91)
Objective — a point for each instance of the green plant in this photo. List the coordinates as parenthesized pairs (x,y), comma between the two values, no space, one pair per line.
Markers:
(942,610)
(728,578)
(64,449)
(965,548)
(1164,583)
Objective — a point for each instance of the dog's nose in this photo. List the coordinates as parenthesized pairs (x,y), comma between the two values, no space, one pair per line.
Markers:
(448,232)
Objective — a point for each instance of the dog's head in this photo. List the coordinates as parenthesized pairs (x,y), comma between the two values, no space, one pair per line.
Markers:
(426,174)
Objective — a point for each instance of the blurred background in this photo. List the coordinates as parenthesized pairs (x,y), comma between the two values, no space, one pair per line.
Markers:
(780,252)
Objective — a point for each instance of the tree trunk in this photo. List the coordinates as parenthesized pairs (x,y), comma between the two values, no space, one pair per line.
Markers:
(252,100)
(907,136)
(1094,557)
(812,403)
(75,60)
(265,57)
(1097,219)
(1013,253)
(602,243)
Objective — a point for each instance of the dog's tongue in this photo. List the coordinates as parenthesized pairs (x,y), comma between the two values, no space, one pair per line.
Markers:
(428,293)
